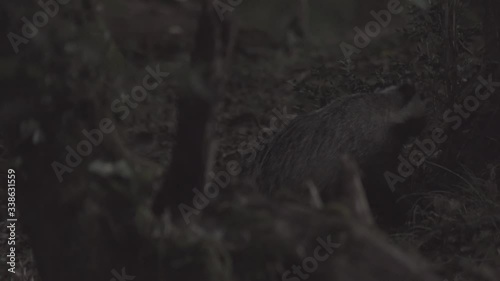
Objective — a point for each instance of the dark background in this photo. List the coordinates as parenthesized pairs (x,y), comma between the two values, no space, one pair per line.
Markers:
(91,52)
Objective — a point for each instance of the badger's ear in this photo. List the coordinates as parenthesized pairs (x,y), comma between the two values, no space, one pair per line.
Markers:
(407,90)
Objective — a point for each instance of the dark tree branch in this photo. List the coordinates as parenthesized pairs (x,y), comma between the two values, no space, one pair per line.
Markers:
(189,158)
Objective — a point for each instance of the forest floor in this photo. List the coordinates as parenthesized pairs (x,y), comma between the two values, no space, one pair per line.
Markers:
(455,218)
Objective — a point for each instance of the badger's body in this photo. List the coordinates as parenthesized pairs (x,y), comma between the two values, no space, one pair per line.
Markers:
(370,127)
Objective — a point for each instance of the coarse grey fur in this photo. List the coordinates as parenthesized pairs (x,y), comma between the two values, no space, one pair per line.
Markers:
(372,128)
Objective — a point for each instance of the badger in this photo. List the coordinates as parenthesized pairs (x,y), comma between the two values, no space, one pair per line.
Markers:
(370,127)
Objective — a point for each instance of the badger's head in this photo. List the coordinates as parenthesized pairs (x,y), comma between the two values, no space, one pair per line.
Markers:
(408,110)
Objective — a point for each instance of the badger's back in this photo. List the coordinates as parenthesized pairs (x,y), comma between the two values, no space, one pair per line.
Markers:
(370,127)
